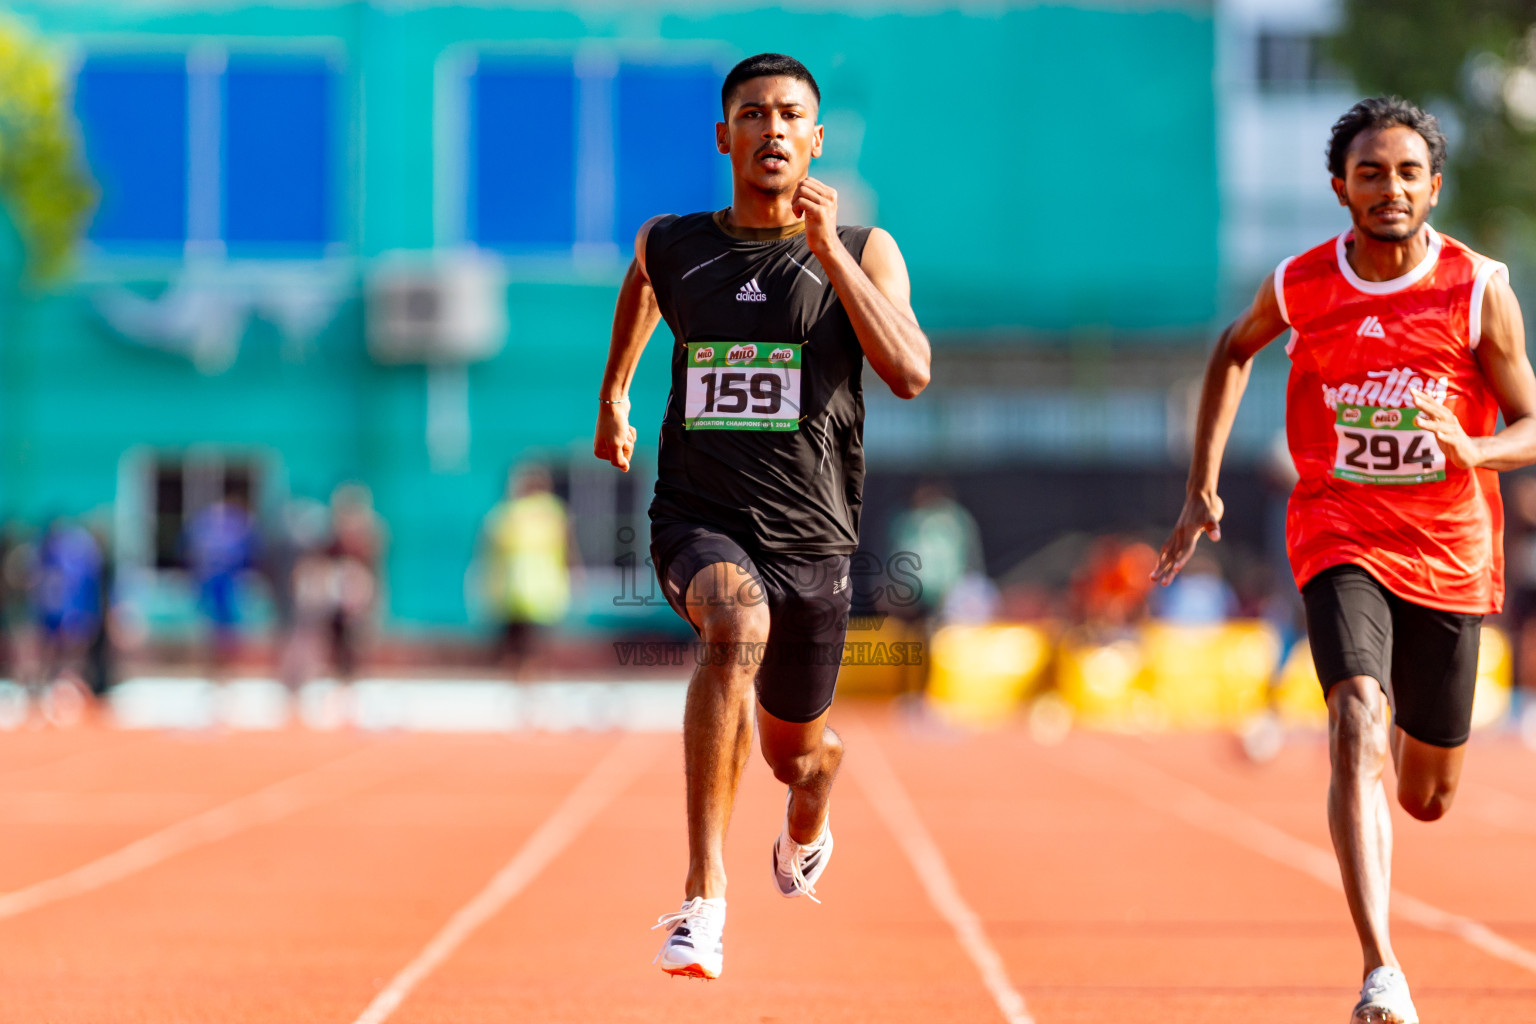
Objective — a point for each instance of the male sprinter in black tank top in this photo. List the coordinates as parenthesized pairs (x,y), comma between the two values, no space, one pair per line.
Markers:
(774,309)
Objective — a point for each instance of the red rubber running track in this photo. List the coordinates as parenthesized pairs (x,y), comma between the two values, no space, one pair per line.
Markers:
(271,878)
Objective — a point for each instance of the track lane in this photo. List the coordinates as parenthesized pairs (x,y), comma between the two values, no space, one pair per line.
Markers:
(28,750)
(1470,862)
(1102,907)
(303,919)
(577,948)
(1112,907)
(89,804)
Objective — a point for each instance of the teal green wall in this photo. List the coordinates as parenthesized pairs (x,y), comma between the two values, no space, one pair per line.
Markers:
(1046,169)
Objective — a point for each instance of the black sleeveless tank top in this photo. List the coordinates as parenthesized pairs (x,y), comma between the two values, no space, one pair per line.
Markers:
(763,433)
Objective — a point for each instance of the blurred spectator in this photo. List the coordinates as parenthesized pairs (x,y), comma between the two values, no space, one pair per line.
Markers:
(67,599)
(1110,588)
(100,662)
(1198,595)
(290,548)
(334,583)
(1520,542)
(527,550)
(18,566)
(974,600)
(944,537)
(352,561)
(220,545)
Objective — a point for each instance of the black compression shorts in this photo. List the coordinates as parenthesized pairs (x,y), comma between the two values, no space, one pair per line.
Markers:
(808,602)
(1425,659)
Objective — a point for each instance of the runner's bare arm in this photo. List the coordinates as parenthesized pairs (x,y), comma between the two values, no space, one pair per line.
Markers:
(1226,375)
(1501,354)
(875,291)
(635,316)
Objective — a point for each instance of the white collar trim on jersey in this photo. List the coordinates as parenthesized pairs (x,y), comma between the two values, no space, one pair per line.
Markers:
(1397,284)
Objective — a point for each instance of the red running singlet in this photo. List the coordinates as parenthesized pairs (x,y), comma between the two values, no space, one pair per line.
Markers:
(1375,490)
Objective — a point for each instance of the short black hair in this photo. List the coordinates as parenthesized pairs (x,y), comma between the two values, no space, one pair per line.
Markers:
(1384,112)
(765,65)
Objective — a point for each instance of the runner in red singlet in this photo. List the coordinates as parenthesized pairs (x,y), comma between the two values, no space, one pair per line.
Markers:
(1405,346)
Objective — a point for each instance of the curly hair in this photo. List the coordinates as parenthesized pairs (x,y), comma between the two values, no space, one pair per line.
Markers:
(1384,112)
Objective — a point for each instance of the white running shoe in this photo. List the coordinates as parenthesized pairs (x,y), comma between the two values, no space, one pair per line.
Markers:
(1384,999)
(694,948)
(796,868)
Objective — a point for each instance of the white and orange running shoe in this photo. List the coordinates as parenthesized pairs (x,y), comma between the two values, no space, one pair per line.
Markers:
(795,867)
(1384,999)
(693,947)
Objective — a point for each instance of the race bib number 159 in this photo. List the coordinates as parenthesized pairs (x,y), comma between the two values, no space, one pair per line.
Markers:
(1385,446)
(742,386)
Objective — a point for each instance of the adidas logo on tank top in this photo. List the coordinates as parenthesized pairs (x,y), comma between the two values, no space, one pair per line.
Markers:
(750,292)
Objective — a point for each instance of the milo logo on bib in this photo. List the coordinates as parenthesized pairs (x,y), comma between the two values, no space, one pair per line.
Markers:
(742,386)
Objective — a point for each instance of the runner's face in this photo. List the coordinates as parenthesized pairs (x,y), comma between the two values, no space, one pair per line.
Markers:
(771,133)
(1387,183)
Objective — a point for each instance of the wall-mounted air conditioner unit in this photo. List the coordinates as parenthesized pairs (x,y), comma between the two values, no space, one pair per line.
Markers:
(438,309)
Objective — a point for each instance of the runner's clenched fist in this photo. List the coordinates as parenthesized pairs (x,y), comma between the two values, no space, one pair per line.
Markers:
(816,202)
(615,439)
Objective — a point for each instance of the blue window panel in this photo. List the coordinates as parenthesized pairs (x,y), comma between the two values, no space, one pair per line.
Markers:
(523,154)
(664,134)
(133,116)
(278,153)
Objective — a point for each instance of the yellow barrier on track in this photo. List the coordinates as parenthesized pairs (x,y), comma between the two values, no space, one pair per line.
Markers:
(1099,681)
(979,674)
(1207,676)
(882,657)
(1169,676)
(1161,676)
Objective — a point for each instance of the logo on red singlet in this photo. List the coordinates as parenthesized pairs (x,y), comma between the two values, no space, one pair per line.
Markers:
(1386,389)
(1370,327)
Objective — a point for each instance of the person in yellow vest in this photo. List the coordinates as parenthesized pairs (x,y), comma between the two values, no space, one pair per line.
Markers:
(528,553)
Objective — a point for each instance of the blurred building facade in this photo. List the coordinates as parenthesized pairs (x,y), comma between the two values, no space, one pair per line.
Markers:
(1280,95)
(380,242)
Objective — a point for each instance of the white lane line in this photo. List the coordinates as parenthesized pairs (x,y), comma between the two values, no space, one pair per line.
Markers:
(895,807)
(1155,788)
(602,784)
(272,803)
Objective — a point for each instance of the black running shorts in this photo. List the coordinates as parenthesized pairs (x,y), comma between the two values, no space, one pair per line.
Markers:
(1425,659)
(808,602)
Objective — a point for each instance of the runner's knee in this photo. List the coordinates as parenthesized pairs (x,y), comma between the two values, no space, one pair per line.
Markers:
(794,771)
(1357,723)
(800,767)
(1426,803)
(1427,776)
(734,622)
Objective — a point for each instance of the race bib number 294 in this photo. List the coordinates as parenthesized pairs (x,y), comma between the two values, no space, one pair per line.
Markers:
(1385,446)
(742,386)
